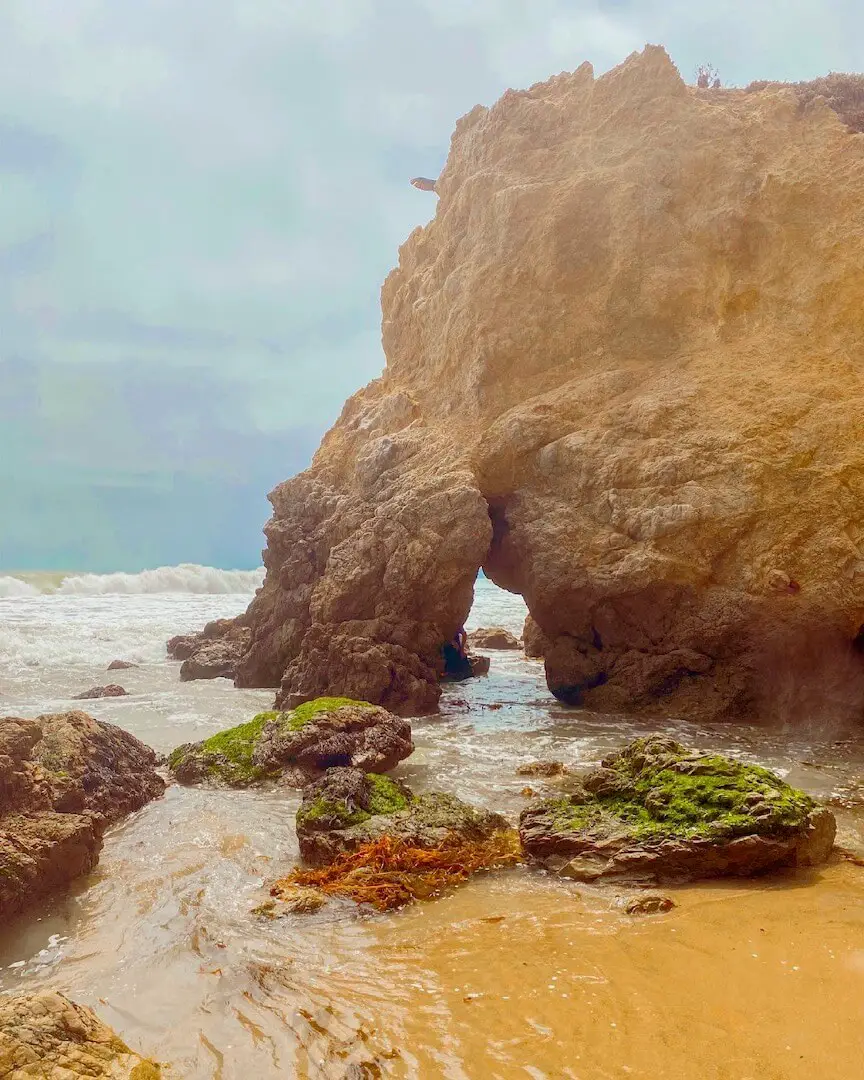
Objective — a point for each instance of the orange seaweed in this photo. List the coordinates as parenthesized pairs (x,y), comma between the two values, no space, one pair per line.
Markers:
(388,873)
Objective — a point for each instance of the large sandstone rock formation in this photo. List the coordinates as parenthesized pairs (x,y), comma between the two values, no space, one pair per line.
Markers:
(63,779)
(624,376)
(46,1035)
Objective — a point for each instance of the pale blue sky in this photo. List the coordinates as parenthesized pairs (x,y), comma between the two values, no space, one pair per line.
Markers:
(199,200)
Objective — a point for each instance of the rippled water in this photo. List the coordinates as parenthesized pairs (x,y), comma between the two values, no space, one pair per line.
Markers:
(515,975)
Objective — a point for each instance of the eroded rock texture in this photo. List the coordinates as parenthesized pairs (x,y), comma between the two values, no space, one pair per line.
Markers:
(624,375)
(493,637)
(46,1035)
(346,809)
(214,653)
(63,779)
(656,811)
(296,747)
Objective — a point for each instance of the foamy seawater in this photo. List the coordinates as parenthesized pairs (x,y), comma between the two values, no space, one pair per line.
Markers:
(514,976)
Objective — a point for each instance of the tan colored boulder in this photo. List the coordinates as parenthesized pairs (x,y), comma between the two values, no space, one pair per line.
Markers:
(46,1035)
(492,637)
(623,375)
(63,779)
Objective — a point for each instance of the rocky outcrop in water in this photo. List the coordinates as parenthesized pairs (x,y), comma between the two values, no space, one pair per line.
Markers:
(96,692)
(46,1035)
(623,377)
(121,665)
(297,746)
(656,811)
(347,809)
(492,637)
(63,779)
(214,653)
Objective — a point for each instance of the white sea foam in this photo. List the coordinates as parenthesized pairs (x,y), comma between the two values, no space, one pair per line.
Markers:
(13,586)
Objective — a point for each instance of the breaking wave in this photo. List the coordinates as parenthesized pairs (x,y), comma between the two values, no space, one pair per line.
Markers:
(13,586)
(186,578)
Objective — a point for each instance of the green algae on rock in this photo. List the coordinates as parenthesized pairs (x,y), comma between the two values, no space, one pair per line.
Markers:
(657,810)
(296,746)
(348,808)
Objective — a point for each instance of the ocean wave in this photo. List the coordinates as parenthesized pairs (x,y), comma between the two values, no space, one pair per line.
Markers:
(186,578)
(13,586)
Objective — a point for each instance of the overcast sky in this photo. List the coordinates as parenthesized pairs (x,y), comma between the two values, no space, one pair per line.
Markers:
(199,200)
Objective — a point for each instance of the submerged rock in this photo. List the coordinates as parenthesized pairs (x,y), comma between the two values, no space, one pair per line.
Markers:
(297,746)
(658,811)
(542,768)
(47,1035)
(121,665)
(348,808)
(63,779)
(292,899)
(111,690)
(493,637)
(647,904)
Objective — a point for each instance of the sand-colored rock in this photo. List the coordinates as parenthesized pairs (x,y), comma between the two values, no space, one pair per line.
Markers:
(47,1036)
(492,637)
(534,642)
(63,779)
(623,375)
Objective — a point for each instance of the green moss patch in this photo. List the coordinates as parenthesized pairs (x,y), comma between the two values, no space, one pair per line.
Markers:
(677,794)
(385,797)
(229,756)
(298,718)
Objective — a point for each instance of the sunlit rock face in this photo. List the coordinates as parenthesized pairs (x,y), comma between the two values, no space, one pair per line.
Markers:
(624,375)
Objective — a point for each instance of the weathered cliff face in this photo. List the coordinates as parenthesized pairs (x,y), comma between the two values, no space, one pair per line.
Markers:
(624,374)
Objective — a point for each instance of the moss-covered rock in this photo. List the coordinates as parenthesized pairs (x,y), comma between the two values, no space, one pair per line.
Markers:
(348,808)
(297,746)
(657,810)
